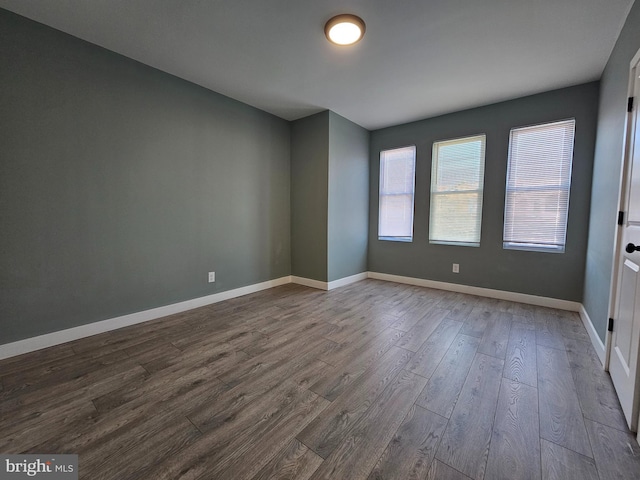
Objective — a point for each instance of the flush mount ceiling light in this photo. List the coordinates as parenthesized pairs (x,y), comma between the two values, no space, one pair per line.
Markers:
(344,29)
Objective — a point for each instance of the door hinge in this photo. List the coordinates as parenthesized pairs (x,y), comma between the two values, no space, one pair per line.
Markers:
(620,218)
(610,327)
(630,104)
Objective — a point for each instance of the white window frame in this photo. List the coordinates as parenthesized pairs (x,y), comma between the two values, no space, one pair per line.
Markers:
(382,195)
(564,186)
(434,178)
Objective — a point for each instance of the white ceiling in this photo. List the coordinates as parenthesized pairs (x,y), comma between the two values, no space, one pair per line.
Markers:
(419,58)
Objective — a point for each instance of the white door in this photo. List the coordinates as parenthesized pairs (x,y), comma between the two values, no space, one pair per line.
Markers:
(623,362)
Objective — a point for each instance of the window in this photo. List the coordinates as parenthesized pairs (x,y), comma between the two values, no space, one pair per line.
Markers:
(457,180)
(397,182)
(538,181)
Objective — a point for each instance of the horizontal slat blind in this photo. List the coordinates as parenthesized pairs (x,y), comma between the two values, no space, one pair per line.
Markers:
(457,180)
(538,184)
(397,185)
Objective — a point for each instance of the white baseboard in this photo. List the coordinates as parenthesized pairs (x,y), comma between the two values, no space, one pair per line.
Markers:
(82,331)
(482,292)
(308,282)
(63,336)
(511,296)
(593,335)
(341,282)
(56,338)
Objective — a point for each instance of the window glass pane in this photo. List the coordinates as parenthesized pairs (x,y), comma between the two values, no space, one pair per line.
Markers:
(457,180)
(462,223)
(397,182)
(538,185)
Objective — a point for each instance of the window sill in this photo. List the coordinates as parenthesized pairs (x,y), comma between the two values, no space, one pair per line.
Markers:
(396,239)
(532,248)
(454,244)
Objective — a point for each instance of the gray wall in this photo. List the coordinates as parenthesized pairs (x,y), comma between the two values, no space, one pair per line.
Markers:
(309,196)
(546,274)
(329,197)
(606,172)
(348,227)
(121,186)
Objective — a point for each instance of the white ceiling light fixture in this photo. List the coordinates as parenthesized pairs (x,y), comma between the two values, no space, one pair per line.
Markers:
(345,29)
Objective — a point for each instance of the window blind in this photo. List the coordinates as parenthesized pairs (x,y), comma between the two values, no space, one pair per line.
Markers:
(538,184)
(457,180)
(397,185)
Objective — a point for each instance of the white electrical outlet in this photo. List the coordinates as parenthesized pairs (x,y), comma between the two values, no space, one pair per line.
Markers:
(212,277)
(456,268)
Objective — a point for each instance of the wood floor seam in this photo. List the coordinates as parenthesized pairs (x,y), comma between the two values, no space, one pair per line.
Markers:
(410,351)
(191,422)
(595,420)
(296,437)
(577,453)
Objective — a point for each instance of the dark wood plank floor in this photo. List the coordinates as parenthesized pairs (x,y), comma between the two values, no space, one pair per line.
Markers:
(375,380)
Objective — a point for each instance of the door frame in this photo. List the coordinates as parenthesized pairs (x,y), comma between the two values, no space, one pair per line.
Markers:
(623,194)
